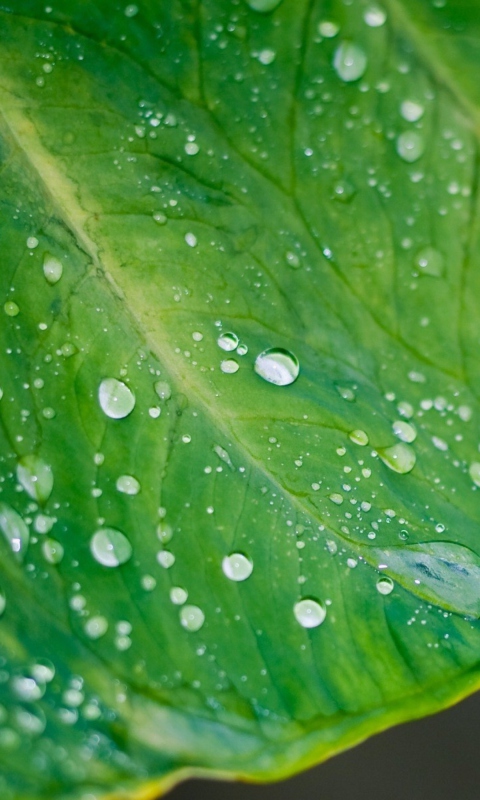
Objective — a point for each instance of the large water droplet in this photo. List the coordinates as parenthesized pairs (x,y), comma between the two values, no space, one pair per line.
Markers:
(400,457)
(127,484)
(309,613)
(178,596)
(410,146)
(404,431)
(192,618)
(116,399)
(430,261)
(110,547)
(36,477)
(350,61)
(237,567)
(14,529)
(228,341)
(277,366)
(385,585)
(52,268)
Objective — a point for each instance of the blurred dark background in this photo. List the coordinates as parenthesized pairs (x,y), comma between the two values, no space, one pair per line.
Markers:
(437,758)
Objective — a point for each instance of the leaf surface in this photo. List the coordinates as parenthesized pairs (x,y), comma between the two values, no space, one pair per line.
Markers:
(209,563)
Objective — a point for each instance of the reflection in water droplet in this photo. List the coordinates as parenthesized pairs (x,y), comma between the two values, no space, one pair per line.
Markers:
(192,618)
(110,547)
(385,585)
(95,627)
(358,437)
(178,596)
(277,366)
(399,458)
(350,62)
(228,341)
(36,477)
(237,567)
(309,613)
(163,390)
(52,551)
(411,111)
(116,399)
(430,261)
(127,484)
(52,268)
(474,472)
(229,366)
(410,146)
(404,431)
(375,17)
(14,530)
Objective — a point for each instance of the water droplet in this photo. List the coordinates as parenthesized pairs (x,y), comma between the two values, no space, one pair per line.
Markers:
(3,602)
(43,671)
(358,437)
(263,6)
(292,260)
(309,613)
(36,477)
(27,688)
(52,268)
(164,533)
(127,484)
(192,618)
(131,10)
(385,585)
(328,29)
(399,458)
(237,567)
(160,218)
(411,111)
(178,596)
(191,148)
(267,56)
(336,498)
(350,62)
(116,399)
(110,547)
(14,529)
(405,409)
(11,309)
(343,191)
(242,349)
(52,551)
(228,341)
(163,390)
(96,627)
(474,472)
(277,366)
(229,366)
(430,261)
(197,336)
(404,431)
(410,146)
(191,239)
(375,17)
(148,583)
(166,559)
(345,392)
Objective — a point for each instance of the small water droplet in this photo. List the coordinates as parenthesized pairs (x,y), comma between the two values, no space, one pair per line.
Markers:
(96,627)
(358,437)
(164,532)
(166,559)
(400,457)
(375,16)
(292,260)
(410,146)
(11,308)
(3,603)
(263,6)
(309,613)
(131,10)
(277,366)
(110,547)
(32,242)
(191,148)
(411,111)
(52,268)
(163,390)
(237,567)
(43,671)
(385,585)
(36,477)
(336,498)
(116,399)
(345,392)
(191,618)
(178,596)
(53,551)
(229,366)
(343,191)
(242,349)
(228,341)
(404,431)
(160,218)
(328,29)
(430,262)
(266,56)
(27,688)
(350,62)
(405,409)
(127,484)
(191,239)
(474,472)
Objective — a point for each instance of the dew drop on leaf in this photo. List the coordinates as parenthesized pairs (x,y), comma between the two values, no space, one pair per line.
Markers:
(228,341)
(328,29)
(229,366)
(375,16)
(163,390)
(96,627)
(166,559)
(3,602)
(127,484)
(474,472)
(11,308)
(385,585)
(263,6)
(14,530)
(36,477)
(52,551)
(277,366)
(404,431)
(110,547)
(192,618)
(350,62)
(178,596)
(309,613)
(410,146)
(411,111)
(237,567)
(52,268)
(400,457)
(430,262)
(116,399)
(358,437)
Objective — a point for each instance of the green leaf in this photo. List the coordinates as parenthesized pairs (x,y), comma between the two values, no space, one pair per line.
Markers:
(240,384)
